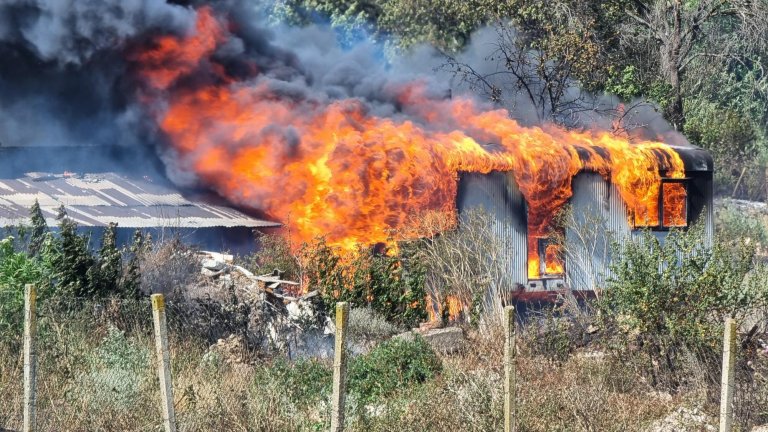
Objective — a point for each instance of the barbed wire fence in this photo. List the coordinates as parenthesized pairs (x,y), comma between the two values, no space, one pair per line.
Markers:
(97,366)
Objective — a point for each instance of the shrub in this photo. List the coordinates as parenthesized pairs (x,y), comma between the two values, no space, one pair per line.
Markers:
(732,226)
(274,253)
(365,323)
(467,263)
(390,283)
(736,145)
(167,265)
(392,365)
(16,270)
(551,336)
(670,298)
(116,373)
(305,381)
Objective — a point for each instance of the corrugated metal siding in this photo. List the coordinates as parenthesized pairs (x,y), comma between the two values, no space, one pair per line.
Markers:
(517,230)
(618,221)
(595,201)
(709,217)
(95,200)
(586,232)
(497,194)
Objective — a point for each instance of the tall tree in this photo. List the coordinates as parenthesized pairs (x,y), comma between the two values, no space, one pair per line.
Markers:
(104,276)
(675,39)
(132,277)
(39,229)
(549,57)
(73,260)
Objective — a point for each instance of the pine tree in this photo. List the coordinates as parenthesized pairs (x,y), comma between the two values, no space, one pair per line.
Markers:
(74,260)
(132,279)
(104,276)
(39,229)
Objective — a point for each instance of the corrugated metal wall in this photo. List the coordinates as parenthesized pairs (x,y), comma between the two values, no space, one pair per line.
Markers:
(709,209)
(598,217)
(497,193)
(586,247)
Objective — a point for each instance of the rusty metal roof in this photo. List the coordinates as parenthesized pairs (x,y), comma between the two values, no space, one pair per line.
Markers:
(94,200)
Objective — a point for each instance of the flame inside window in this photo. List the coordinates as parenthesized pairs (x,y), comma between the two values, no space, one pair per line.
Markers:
(666,207)
(553,259)
(675,208)
(534,266)
(545,258)
(647,216)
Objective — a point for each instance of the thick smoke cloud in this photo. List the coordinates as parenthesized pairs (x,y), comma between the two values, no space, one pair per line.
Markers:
(63,77)
(66,77)
(73,31)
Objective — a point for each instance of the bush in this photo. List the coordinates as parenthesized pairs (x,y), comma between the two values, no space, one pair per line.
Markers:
(305,381)
(274,253)
(16,270)
(732,226)
(390,283)
(670,298)
(116,373)
(736,145)
(367,324)
(467,263)
(167,265)
(394,364)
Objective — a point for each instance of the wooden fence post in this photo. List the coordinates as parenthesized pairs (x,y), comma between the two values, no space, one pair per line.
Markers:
(340,367)
(509,369)
(727,383)
(164,362)
(30,359)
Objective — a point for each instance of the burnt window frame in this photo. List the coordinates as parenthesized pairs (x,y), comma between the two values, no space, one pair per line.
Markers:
(542,243)
(685,181)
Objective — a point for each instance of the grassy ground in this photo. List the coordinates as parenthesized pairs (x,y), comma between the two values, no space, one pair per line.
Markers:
(98,374)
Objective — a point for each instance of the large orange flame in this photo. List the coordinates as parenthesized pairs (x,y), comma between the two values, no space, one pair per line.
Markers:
(333,169)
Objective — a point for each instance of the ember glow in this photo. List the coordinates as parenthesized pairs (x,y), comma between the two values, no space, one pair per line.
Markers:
(553,260)
(330,167)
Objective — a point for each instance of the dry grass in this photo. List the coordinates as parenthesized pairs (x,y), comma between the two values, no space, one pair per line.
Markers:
(97,374)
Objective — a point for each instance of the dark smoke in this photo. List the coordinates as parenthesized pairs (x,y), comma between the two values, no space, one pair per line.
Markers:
(66,78)
(63,73)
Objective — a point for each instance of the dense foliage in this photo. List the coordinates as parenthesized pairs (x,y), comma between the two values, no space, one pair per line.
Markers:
(61,265)
(670,299)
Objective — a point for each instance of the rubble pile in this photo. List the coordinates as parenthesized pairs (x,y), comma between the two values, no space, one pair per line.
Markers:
(279,315)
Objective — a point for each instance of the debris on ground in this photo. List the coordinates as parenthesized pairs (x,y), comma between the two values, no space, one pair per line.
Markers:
(279,315)
(684,420)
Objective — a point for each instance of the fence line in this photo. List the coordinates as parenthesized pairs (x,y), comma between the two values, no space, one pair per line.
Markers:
(509,369)
(30,358)
(164,362)
(340,367)
(159,318)
(728,378)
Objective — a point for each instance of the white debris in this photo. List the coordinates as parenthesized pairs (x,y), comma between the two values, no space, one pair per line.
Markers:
(212,264)
(218,256)
(682,420)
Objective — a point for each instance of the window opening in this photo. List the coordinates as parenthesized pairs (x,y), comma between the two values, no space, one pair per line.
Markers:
(669,210)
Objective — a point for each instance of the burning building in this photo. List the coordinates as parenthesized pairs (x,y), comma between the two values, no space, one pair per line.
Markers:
(574,253)
(329,140)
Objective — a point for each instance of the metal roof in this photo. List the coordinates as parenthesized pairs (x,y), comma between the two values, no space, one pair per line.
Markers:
(95,200)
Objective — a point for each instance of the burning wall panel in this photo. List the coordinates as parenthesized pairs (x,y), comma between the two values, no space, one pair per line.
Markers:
(596,205)
(498,194)
(586,235)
